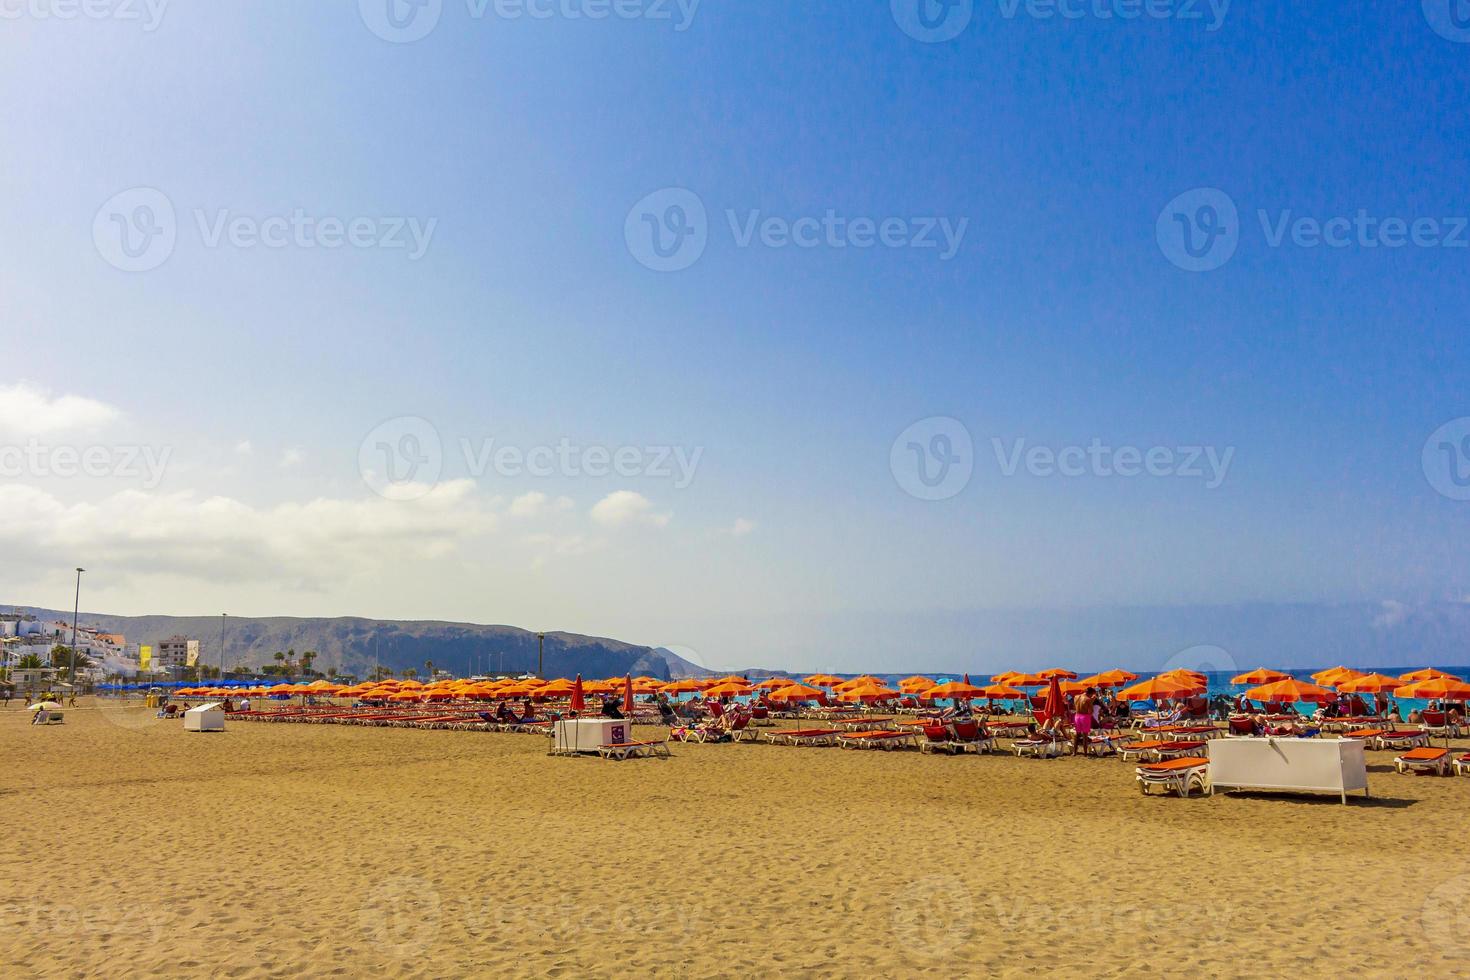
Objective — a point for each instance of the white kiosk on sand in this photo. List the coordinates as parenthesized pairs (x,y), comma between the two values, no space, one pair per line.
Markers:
(575,736)
(205,718)
(1309,765)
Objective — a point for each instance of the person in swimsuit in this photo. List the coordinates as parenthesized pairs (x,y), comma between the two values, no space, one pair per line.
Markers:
(1082,721)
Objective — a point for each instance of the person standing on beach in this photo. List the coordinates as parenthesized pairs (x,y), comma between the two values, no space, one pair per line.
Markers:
(1082,722)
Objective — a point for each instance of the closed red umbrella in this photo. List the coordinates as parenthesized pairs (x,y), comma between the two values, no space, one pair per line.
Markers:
(1055,706)
(579,702)
(628,696)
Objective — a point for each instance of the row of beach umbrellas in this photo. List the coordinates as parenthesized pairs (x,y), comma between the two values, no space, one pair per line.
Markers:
(1265,686)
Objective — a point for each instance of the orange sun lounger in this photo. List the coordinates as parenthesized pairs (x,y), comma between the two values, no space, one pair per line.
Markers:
(1174,776)
(882,739)
(1436,761)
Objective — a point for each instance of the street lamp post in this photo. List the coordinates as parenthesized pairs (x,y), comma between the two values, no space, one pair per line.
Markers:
(222,618)
(75,611)
(541,655)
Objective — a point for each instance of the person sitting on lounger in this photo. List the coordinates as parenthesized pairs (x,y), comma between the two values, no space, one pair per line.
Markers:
(503,715)
(528,712)
(666,712)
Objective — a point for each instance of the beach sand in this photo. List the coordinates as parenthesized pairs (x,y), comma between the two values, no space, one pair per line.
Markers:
(135,848)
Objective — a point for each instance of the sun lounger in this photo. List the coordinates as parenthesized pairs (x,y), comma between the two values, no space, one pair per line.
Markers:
(1424,760)
(1462,766)
(973,735)
(1178,750)
(805,736)
(633,750)
(1439,725)
(883,739)
(1038,748)
(1402,740)
(1141,750)
(1175,776)
(1105,744)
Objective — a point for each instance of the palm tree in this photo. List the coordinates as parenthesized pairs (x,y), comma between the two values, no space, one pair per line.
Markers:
(429,669)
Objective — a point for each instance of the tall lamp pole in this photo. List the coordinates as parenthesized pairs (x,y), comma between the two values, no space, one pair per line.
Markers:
(222,618)
(540,655)
(75,611)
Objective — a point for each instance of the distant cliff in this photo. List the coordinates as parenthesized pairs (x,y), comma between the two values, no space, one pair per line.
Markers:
(354,645)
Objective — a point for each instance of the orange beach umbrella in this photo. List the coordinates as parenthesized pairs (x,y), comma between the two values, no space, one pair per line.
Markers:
(1335,675)
(1158,688)
(869,692)
(1427,674)
(1370,684)
(1259,676)
(1290,690)
(796,692)
(1440,688)
(954,689)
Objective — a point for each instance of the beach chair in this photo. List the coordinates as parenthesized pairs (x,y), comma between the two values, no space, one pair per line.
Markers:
(884,739)
(1462,766)
(1402,740)
(971,735)
(619,751)
(1177,776)
(805,736)
(1239,726)
(937,739)
(1040,747)
(1368,736)
(1142,750)
(1178,750)
(1423,760)
(1437,724)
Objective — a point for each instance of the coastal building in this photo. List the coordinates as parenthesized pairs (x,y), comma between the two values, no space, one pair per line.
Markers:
(176,652)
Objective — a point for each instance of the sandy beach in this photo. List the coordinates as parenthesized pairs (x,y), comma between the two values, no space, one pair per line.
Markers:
(135,848)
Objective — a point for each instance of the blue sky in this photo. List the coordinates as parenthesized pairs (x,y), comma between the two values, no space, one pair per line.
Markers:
(1059,320)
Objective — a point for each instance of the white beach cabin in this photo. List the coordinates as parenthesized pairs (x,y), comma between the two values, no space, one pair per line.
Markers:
(205,718)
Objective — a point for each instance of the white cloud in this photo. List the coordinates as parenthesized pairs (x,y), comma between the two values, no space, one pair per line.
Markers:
(291,457)
(742,527)
(535,504)
(244,448)
(222,539)
(625,508)
(30,410)
(1394,614)
(564,545)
